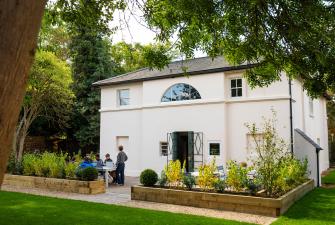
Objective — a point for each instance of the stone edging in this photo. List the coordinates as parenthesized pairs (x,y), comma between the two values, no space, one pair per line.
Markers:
(238,203)
(55,184)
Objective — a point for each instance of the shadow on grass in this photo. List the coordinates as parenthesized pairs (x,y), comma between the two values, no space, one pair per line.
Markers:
(18,208)
(317,207)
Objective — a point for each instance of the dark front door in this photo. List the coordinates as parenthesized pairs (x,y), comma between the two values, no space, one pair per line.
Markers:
(183,149)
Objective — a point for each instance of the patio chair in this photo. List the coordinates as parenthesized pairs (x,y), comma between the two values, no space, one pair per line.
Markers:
(252,174)
(222,174)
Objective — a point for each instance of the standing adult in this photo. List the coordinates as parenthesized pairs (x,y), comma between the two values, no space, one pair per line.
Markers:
(120,164)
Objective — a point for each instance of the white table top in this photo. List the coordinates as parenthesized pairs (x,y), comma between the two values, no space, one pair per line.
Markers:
(106,168)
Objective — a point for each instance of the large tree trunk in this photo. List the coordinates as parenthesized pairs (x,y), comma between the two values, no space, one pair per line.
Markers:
(20,21)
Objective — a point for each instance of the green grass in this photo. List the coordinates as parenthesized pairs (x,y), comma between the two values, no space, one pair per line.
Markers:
(18,208)
(316,208)
(329,178)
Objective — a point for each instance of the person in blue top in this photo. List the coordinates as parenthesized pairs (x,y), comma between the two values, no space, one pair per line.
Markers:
(86,163)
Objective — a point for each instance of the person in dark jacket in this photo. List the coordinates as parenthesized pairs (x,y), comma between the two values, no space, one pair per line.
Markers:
(99,161)
(120,164)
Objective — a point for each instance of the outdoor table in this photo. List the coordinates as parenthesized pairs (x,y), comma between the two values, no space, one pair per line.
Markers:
(196,174)
(106,170)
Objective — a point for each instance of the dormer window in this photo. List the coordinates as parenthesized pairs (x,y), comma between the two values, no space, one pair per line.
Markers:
(180,92)
(123,96)
(236,87)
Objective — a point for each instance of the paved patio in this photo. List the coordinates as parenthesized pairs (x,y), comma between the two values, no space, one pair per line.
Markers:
(120,195)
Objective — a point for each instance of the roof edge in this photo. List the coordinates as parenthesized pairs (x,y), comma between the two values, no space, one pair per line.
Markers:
(198,72)
(315,145)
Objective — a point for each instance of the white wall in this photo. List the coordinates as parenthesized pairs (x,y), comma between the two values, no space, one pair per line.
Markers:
(146,121)
(313,125)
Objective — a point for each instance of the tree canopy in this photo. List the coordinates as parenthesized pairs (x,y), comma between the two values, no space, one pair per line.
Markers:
(297,37)
(48,95)
(130,57)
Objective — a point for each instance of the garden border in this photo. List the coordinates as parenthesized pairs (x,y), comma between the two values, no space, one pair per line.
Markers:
(55,184)
(239,203)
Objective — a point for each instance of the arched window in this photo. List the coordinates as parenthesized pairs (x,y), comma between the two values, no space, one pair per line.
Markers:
(180,92)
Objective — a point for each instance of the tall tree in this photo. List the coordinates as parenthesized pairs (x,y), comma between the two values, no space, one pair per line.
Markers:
(19,25)
(48,95)
(91,61)
(130,57)
(297,37)
(54,35)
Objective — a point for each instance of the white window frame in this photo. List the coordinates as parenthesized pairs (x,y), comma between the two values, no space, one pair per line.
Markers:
(311,107)
(209,147)
(236,88)
(161,143)
(119,97)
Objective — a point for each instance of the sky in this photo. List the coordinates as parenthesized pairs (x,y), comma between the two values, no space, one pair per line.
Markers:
(133,29)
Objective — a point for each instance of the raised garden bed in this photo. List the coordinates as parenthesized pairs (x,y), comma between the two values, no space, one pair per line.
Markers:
(238,203)
(74,186)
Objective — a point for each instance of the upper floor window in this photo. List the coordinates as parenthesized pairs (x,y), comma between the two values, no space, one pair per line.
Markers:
(180,92)
(236,87)
(123,96)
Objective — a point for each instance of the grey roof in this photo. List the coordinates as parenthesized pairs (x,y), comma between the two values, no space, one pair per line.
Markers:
(193,67)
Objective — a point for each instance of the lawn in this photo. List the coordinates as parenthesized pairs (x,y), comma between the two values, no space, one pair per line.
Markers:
(18,208)
(317,208)
(329,178)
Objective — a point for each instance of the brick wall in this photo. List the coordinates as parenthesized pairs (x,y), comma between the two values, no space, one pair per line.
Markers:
(35,143)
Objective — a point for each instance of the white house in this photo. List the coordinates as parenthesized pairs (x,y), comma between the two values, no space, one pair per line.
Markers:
(162,115)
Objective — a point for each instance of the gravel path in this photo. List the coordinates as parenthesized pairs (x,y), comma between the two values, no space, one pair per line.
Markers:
(121,196)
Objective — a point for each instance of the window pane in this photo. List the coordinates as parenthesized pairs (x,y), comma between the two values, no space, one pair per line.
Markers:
(239,92)
(180,92)
(124,93)
(167,96)
(124,101)
(124,97)
(233,92)
(239,82)
(214,149)
(233,83)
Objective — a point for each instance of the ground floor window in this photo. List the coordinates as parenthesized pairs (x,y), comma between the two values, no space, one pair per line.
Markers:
(163,148)
(214,148)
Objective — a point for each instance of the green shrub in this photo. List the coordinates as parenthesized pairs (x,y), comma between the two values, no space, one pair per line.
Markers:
(28,164)
(174,172)
(44,165)
(237,176)
(291,173)
(148,177)
(278,171)
(79,173)
(89,174)
(70,170)
(162,181)
(57,168)
(207,178)
(253,186)
(220,186)
(189,181)
(13,166)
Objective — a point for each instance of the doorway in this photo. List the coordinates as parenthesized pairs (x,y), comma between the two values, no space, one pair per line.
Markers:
(182,149)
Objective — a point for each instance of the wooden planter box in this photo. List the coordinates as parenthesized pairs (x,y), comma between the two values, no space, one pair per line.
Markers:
(75,186)
(239,203)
